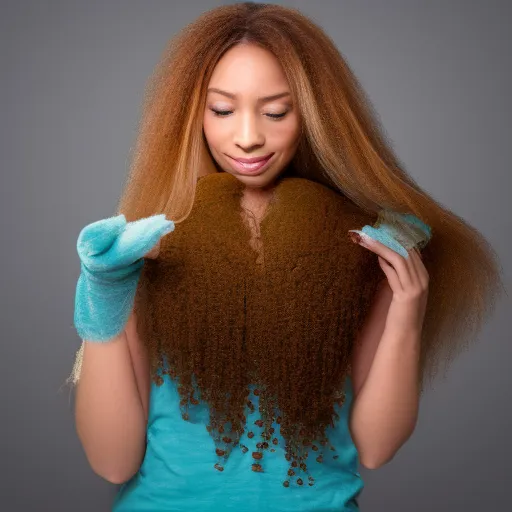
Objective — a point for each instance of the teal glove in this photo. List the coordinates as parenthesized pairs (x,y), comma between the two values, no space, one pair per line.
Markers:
(400,232)
(111,252)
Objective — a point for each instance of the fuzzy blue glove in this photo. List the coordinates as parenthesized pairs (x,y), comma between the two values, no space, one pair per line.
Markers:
(111,252)
(400,232)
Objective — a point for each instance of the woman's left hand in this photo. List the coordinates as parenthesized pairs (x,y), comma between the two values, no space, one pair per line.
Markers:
(408,279)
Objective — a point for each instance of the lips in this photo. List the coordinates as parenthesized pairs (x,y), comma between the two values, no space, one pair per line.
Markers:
(255,165)
(254,159)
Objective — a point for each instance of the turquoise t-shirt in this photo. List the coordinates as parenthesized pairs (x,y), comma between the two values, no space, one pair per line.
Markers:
(178,474)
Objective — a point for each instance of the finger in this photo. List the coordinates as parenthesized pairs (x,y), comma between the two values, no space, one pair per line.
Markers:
(99,236)
(371,243)
(420,268)
(392,257)
(412,264)
(393,280)
(386,238)
(136,240)
(142,235)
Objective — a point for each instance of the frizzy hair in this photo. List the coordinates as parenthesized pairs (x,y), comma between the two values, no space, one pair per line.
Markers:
(342,146)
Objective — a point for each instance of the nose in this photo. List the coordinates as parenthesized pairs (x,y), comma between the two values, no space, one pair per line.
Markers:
(248,133)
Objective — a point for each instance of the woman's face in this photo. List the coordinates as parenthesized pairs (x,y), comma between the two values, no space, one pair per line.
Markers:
(249,114)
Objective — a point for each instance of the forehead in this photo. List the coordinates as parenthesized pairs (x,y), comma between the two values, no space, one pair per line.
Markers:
(249,69)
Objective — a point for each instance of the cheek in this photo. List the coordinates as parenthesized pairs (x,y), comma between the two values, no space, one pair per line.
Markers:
(287,132)
(287,137)
(211,132)
(206,126)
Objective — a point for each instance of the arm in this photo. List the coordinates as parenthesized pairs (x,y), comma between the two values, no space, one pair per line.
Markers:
(110,419)
(385,376)
(112,392)
(140,361)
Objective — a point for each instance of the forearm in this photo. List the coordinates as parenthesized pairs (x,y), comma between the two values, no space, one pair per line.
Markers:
(110,420)
(385,411)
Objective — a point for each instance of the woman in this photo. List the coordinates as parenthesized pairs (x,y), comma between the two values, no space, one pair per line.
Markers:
(255,355)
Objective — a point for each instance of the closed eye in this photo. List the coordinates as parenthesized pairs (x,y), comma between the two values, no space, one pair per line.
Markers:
(225,113)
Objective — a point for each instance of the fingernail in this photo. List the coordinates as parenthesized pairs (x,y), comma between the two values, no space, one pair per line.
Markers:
(355,237)
(360,237)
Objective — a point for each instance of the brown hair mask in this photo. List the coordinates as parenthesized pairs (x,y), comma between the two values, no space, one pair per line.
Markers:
(284,317)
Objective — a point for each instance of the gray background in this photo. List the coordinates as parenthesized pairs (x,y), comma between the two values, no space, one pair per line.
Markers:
(73,74)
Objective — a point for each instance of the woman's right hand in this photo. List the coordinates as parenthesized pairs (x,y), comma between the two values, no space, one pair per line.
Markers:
(113,243)
(112,253)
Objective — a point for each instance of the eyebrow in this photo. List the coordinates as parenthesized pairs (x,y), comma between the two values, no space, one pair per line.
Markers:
(261,99)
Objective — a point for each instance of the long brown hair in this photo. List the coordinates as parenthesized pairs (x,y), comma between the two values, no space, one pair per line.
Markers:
(343,147)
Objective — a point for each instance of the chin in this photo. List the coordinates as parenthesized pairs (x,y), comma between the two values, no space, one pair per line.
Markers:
(259,181)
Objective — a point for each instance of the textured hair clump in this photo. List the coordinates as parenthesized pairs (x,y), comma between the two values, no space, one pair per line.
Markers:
(219,316)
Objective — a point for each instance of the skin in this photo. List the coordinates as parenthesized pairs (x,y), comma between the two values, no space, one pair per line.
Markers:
(243,124)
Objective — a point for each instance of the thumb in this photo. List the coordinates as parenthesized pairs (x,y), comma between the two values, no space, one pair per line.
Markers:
(154,252)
